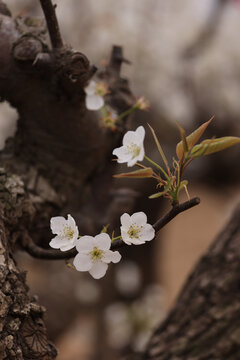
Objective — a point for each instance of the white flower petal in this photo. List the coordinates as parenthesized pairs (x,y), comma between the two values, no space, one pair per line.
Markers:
(148,233)
(90,89)
(126,220)
(139,218)
(57,223)
(123,154)
(71,222)
(141,154)
(132,162)
(130,138)
(57,242)
(102,241)
(82,262)
(140,133)
(98,269)
(116,256)
(68,246)
(135,241)
(94,102)
(125,236)
(111,256)
(85,244)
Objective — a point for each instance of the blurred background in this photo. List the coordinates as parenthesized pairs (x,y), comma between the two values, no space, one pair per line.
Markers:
(185,59)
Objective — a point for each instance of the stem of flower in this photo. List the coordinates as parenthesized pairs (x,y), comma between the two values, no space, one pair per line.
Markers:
(127,112)
(116,238)
(157,166)
(104,111)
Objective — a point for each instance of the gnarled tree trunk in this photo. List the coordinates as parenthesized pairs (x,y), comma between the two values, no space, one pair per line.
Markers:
(58,162)
(205,321)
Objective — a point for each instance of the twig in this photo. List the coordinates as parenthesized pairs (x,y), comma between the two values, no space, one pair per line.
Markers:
(52,23)
(177,209)
(41,253)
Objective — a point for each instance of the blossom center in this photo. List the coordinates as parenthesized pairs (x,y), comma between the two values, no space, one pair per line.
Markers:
(134,231)
(134,149)
(100,89)
(96,254)
(68,232)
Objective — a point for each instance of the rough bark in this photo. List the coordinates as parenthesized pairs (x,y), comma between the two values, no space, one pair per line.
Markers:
(205,321)
(56,163)
(22,330)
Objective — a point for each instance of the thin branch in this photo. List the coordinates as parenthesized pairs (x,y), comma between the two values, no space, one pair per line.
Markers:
(177,209)
(40,253)
(52,23)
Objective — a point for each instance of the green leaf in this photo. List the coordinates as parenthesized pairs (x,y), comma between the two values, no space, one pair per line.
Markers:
(192,138)
(157,195)
(140,174)
(211,146)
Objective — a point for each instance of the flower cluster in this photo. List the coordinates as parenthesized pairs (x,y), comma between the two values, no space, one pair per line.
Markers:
(95,93)
(94,253)
(169,178)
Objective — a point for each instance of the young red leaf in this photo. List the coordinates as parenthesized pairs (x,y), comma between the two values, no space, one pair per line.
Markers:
(140,174)
(192,139)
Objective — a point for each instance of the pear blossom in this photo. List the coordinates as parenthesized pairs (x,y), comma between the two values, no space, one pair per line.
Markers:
(135,230)
(66,231)
(109,121)
(142,103)
(95,92)
(94,255)
(132,150)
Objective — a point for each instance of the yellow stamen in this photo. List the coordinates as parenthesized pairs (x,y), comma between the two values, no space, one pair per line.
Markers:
(134,149)
(68,232)
(96,253)
(134,231)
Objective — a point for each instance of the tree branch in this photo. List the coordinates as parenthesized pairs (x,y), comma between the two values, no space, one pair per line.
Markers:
(40,253)
(204,322)
(52,23)
(177,209)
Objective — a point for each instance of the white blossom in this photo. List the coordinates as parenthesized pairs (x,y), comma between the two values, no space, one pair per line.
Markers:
(132,150)
(94,255)
(135,230)
(66,231)
(94,95)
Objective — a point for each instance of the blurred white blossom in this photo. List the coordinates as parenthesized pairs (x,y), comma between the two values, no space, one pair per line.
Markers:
(132,150)
(94,95)
(132,324)
(94,255)
(128,278)
(88,291)
(66,231)
(135,230)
